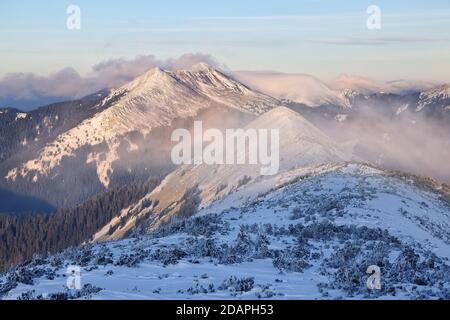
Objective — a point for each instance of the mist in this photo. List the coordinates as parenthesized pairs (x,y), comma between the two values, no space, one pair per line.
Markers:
(411,143)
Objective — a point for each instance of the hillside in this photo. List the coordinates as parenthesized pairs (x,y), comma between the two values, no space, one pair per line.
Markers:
(313,235)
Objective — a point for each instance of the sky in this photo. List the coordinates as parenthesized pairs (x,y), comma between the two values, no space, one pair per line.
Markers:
(318,37)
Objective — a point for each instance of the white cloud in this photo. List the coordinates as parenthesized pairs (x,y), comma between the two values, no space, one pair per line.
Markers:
(377,41)
(107,74)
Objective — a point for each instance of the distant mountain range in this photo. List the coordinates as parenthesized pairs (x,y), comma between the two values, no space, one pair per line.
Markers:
(67,152)
(313,92)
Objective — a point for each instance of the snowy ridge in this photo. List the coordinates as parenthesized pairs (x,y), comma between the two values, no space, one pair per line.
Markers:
(222,89)
(152,100)
(301,145)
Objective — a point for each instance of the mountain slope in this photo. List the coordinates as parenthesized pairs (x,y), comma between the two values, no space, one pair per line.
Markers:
(301,145)
(21,131)
(314,235)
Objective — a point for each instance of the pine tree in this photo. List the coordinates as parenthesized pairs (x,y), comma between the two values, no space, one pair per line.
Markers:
(243,244)
(262,246)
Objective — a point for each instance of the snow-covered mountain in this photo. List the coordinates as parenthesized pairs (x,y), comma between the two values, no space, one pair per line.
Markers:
(437,96)
(410,104)
(301,144)
(339,92)
(358,84)
(152,100)
(367,86)
(156,99)
(299,88)
(405,131)
(307,233)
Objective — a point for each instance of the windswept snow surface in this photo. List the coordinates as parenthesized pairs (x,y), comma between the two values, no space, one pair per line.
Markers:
(311,236)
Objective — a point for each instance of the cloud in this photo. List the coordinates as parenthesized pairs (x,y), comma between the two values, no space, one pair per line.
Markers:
(28,85)
(377,41)
(30,90)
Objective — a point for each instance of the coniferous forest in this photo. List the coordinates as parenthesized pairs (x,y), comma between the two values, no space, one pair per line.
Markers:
(41,233)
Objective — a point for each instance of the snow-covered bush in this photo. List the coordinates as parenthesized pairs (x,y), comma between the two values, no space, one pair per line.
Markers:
(131,259)
(243,246)
(196,226)
(293,259)
(104,256)
(168,256)
(200,289)
(238,285)
(262,246)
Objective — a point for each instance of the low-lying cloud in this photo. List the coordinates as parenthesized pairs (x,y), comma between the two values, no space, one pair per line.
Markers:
(28,90)
(408,142)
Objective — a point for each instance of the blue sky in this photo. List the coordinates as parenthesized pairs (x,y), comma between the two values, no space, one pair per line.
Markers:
(323,38)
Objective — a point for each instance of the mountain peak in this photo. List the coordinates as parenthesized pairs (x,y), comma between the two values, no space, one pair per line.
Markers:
(156,71)
(202,66)
(283,112)
(280,117)
(154,76)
